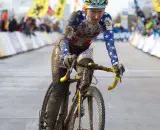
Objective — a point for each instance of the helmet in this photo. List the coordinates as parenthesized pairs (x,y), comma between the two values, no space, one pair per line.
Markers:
(95,3)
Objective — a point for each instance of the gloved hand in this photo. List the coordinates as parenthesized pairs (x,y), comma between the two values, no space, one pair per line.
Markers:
(68,59)
(119,69)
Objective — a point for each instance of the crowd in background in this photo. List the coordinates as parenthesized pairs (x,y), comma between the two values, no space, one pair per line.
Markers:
(29,25)
(118,28)
(146,25)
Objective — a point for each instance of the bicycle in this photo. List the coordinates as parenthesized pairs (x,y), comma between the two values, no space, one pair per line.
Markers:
(65,119)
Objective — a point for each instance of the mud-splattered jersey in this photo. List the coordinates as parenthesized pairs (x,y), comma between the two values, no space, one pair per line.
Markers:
(79,34)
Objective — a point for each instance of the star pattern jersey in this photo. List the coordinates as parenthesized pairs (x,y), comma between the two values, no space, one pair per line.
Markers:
(79,33)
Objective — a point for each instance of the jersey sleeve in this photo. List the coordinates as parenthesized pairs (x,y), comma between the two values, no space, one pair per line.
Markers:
(73,22)
(107,26)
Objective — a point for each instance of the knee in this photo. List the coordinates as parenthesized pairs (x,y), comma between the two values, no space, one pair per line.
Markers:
(84,72)
(84,61)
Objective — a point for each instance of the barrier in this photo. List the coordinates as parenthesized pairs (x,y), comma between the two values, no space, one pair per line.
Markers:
(16,42)
(140,43)
(21,40)
(6,47)
(150,45)
(135,40)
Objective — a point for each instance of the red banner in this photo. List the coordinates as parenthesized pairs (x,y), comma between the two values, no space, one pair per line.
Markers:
(50,11)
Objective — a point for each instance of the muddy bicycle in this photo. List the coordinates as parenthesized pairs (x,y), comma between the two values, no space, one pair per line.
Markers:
(66,120)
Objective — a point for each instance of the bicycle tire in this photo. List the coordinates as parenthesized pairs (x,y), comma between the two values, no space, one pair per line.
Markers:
(44,105)
(54,89)
(96,94)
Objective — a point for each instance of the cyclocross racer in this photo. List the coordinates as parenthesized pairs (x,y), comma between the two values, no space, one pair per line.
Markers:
(83,26)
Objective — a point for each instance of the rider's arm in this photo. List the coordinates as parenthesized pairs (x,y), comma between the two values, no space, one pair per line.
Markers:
(108,34)
(69,31)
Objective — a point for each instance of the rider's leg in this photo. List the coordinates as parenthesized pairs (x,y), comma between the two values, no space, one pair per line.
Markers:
(55,100)
(58,93)
(85,58)
(87,74)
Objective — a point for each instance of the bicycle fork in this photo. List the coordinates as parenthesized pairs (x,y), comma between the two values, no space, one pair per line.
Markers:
(85,81)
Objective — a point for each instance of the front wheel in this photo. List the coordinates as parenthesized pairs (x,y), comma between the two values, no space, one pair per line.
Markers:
(94,119)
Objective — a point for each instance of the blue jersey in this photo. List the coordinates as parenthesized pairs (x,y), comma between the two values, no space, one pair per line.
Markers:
(79,33)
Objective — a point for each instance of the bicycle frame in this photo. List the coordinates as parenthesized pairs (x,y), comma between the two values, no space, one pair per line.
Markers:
(78,96)
(63,114)
(64,106)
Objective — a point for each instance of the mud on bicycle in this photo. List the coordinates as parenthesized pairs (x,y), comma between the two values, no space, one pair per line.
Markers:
(66,120)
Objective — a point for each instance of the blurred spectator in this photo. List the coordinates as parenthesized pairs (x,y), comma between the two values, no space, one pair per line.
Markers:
(4,15)
(56,26)
(12,25)
(39,21)
(20,26)
(146,26)
(29,25)
(3,22)
(44,27)
(3,25)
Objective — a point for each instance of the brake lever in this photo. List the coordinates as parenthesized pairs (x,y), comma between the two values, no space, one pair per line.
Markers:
(120,79)
(122,70)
